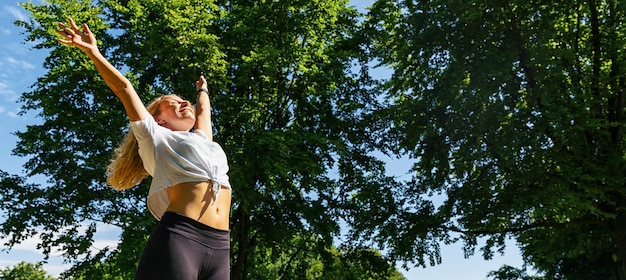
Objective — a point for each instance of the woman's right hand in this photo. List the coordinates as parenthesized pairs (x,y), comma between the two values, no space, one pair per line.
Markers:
(84,40)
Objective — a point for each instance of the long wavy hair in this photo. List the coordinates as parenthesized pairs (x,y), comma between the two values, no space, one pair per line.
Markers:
(126,168)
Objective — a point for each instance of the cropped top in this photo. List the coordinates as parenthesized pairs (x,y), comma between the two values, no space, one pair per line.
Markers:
(173,157)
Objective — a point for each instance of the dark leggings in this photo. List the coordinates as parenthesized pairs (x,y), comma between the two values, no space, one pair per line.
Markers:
(181,248)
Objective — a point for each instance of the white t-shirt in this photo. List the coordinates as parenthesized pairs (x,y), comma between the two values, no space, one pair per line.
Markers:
(173,157)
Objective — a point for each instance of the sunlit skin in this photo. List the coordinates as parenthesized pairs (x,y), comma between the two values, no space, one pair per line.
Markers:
(176,114)
(193,199)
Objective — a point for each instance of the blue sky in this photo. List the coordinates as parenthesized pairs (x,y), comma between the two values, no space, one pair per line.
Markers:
(21,65)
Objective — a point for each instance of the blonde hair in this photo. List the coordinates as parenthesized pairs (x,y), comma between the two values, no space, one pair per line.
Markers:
(126,168)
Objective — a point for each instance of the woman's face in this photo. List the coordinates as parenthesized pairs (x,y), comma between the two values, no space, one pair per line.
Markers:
(176,114)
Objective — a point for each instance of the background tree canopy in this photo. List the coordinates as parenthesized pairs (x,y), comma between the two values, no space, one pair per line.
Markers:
(514,113)
(289,89)
(25,271)
(511,111)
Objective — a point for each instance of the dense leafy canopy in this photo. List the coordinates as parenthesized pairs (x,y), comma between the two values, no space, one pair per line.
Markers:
(289,88)
(25,271)
(512,112)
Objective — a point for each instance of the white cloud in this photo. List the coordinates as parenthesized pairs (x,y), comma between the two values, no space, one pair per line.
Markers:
(23,49)
(20,63)
(53,266)
(103,243)
(56,269)
(103,239)
(8,93)
(27,251)
(28,245)
(5,263)
(15,12)
(13,114)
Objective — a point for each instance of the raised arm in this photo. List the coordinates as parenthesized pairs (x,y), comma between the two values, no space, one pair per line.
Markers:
(120,85)
(203,109)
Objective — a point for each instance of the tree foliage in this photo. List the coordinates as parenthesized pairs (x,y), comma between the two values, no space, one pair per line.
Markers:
(507,272)
(301,260)
(289,89)
(512,111)
(514,114)
(25,271)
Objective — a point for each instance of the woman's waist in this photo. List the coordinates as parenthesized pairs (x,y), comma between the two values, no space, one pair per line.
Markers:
(197,201)
(193,229)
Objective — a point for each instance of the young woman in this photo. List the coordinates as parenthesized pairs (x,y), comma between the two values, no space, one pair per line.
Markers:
(190,193)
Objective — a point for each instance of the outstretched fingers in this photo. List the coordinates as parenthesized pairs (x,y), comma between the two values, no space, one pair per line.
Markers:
(65,33)
(71,34)
(86,29)
(68,32)
(73,25)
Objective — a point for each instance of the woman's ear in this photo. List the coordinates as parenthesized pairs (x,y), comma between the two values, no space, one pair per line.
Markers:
(159,121)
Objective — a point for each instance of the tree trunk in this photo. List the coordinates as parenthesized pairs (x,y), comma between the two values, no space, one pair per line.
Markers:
(619,255)
(242,231)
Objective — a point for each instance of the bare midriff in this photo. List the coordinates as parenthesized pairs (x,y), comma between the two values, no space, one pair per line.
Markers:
(195,200)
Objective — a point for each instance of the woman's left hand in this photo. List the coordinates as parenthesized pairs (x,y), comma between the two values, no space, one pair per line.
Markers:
(84,40)
(201,83)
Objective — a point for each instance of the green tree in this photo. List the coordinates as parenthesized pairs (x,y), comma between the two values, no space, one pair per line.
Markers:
(289,90)
(25,271)
(507,272)
(514,114)
(301,260)
(358,264)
